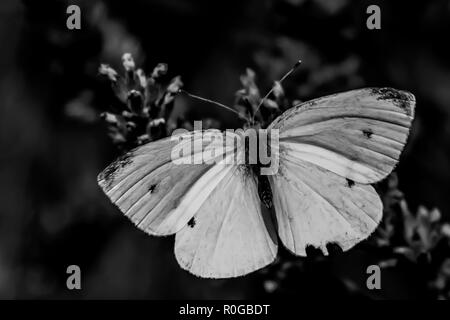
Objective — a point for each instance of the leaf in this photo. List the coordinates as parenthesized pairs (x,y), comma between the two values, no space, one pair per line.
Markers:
(269,103)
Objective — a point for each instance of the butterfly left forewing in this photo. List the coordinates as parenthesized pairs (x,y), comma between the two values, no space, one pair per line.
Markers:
(158,194)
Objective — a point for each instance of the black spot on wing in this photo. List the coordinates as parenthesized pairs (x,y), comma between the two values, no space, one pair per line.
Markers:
(109,174)
(350,183)
(399,98)
(368,133)
(191,223)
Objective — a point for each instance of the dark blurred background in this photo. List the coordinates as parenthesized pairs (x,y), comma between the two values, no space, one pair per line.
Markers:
(53,144)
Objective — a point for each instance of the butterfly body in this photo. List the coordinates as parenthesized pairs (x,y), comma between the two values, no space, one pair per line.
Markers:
(254,169)
(328,151)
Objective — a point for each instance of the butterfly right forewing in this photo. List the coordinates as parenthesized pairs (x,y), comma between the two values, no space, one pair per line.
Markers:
(357,134)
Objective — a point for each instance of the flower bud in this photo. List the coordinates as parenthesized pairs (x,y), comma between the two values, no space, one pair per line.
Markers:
(128,62)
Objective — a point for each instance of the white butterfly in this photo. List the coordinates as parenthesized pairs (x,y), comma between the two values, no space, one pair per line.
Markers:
(330,150)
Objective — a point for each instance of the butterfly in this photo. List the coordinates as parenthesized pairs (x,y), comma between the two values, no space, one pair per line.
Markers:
(228,219)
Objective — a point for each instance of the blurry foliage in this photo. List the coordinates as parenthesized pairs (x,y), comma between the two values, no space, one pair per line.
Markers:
(147,104)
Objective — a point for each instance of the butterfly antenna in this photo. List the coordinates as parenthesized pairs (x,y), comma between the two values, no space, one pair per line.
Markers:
(273,87)
(213,102)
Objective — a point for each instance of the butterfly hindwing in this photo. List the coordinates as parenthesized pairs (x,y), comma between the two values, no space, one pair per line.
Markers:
(315,207)
(230,234)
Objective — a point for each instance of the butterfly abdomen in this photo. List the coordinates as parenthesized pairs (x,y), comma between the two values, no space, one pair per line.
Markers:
(264,190)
